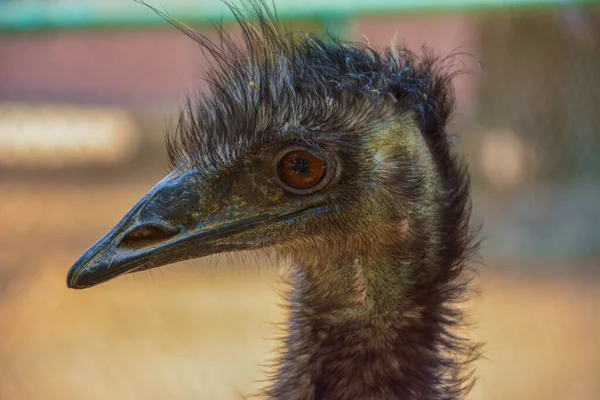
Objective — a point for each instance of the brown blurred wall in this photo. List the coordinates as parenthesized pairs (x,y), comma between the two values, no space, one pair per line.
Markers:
(153,66)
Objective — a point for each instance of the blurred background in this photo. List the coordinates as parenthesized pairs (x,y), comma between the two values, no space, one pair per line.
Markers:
(87,89)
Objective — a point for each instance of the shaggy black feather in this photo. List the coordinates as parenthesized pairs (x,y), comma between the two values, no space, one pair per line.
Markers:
(264,83)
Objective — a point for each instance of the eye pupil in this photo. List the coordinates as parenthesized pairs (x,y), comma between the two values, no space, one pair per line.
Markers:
(301,169)
(300,165)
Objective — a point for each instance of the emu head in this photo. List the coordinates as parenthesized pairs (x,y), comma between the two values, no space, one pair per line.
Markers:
(313,147)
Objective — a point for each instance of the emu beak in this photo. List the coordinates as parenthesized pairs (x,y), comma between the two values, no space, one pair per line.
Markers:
(179,219)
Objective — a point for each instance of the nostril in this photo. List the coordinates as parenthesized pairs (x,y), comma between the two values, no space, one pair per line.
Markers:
(146,232)
(145,235)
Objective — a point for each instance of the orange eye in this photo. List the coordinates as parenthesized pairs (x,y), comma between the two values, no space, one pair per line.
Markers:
(300,169)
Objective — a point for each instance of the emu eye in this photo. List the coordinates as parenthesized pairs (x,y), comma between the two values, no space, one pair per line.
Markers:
(301,170)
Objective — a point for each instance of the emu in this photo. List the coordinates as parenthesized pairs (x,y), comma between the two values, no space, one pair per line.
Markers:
(335,157)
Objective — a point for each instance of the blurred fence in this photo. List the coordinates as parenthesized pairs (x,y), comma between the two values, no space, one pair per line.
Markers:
(541,82)
(539,132)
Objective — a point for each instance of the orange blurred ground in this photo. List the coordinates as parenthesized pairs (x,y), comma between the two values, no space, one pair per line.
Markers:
(187,332)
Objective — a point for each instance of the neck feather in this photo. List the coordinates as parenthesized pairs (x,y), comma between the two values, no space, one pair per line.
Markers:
(376,315)
(356,333)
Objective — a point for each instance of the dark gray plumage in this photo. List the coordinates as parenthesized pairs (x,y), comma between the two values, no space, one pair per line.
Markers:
(334,156)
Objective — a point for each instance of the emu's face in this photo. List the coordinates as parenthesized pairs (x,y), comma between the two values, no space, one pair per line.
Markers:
(297,186)
(308,145)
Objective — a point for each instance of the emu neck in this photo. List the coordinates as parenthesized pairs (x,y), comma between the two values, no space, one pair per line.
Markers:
(372,315)
(357,330)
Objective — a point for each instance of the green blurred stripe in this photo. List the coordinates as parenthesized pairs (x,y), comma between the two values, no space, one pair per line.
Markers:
(43,14)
